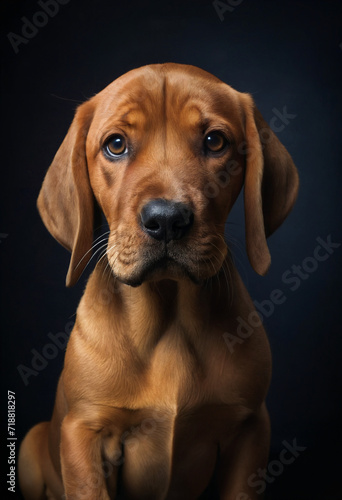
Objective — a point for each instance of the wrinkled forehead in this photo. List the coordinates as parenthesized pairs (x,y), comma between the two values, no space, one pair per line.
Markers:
(153,94)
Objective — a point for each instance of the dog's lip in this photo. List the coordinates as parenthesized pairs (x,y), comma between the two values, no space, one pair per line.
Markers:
(164,263)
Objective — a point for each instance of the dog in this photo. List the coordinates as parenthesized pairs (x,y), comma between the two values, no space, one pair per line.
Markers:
(151,403)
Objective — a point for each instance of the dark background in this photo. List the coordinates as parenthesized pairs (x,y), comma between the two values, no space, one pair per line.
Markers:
(284,53)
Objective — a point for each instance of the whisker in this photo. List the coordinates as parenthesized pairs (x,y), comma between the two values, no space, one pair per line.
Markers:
(103,247)
(94,245)
(109,266)
(213,244)
(233,242)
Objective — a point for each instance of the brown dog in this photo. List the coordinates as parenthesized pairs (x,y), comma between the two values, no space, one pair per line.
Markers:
(151,402)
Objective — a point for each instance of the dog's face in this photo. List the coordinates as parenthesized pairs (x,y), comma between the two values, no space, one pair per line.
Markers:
(158,145)
(165,150)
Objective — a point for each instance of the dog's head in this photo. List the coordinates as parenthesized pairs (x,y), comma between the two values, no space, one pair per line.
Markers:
(165,150)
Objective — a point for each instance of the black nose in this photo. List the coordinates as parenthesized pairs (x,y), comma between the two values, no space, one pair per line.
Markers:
(166,220)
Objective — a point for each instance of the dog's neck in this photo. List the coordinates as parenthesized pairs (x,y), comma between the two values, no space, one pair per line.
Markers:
(145,313)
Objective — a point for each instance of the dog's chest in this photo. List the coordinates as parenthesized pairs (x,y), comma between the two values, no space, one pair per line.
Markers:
(164,454)
(169,440)
(163,418)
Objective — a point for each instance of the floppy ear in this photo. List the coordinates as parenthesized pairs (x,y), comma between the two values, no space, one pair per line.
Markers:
(271,185)
(65,201)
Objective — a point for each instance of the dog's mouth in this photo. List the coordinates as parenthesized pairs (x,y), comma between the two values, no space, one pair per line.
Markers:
(156,269)
(134,262)
(167,263)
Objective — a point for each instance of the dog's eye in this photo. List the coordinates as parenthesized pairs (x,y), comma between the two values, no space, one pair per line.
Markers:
(215,142)
(116,145)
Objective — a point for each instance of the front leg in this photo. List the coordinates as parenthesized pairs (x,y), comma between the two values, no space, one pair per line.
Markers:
(83,469)
(240,461)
